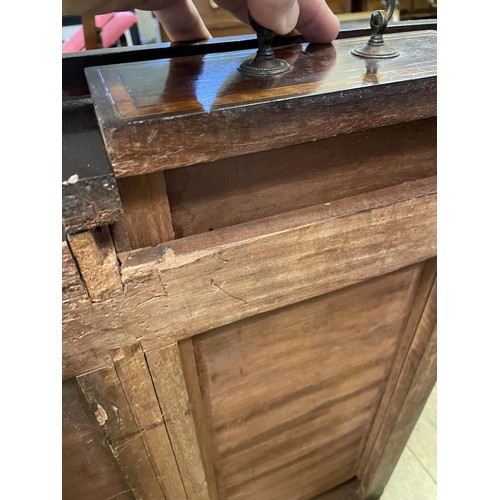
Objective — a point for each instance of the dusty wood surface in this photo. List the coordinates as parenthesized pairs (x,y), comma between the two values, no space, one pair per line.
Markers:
(89,470)
(161,124)
(417,369)
(292,392)
(202,282)
(168,377)
(107,400)
(146,217)
(95,256)
(136,381)
(228,192)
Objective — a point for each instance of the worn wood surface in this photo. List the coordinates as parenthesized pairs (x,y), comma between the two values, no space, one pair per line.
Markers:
(135,378)
(108,402)
(146,217)
(166,369)
(72,283)
(95,255)
(380,459)
(205,281)
(89,470)
(152,123)
(228,192)
(292,392)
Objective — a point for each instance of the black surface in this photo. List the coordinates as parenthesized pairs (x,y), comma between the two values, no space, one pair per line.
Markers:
(89,190)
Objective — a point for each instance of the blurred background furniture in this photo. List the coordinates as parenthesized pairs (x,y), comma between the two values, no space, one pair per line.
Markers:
(102,31)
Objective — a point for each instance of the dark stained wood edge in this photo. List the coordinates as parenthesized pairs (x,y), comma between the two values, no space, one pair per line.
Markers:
(90,195)
(73,65)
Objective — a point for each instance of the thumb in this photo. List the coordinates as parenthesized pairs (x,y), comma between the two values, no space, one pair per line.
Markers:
(281,16)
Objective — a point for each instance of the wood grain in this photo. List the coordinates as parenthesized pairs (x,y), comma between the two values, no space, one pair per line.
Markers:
(150,124)
(89,470)
(95,256)
(287,427)
(421,386)
(202,282)
(201,417)
(168,377)
(107,400)
(389,444)
(228,192)
(136,382)
(421,309)
(72,284)
(146,217)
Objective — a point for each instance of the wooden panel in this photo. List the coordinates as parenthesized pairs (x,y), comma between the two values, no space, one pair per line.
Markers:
(201,419)
(95,255)
(89,470)
(107,400)
(135,379)
(376,478)
(227,192)
(383,449)
(168,377)
(152,123)
(146,220)
(421,320)
(202,282)
(292,392)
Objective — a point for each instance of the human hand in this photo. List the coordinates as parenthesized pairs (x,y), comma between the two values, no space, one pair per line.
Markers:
(182,22)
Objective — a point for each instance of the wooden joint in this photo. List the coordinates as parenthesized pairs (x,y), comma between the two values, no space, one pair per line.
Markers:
(95,256)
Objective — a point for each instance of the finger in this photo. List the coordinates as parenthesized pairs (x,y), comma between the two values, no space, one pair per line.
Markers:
(278,15)
(317,23)
(238,8)
(181,21)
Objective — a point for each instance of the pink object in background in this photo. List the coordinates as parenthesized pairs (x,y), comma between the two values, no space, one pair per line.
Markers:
(112,26)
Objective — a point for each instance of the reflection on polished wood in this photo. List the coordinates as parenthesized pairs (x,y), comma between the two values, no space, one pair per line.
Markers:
(197,103)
